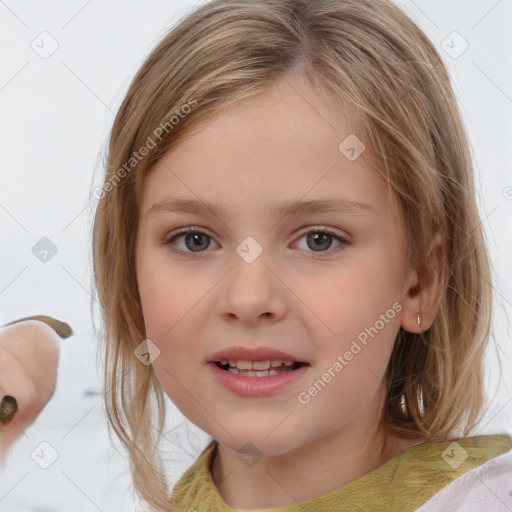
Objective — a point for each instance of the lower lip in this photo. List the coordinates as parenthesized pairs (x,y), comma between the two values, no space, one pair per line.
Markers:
(257,386)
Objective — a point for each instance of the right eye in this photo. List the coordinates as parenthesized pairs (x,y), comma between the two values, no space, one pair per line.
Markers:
(194,238)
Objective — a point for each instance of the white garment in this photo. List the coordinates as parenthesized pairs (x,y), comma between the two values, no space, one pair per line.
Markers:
(487,488)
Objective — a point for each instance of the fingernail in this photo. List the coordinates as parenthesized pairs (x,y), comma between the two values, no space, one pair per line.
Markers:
(8,408)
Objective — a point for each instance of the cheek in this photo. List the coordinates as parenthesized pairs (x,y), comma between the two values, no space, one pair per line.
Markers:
(165,307)
(356,317)
(175,306)
(346,300)
(166,297)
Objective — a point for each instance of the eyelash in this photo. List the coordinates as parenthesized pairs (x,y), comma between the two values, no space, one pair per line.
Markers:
(318,229)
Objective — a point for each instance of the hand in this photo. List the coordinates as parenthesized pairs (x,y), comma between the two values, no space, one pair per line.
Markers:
(29,355)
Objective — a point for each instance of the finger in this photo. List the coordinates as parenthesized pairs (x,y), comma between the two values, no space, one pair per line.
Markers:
(35,346)
(21,386)
(17,384)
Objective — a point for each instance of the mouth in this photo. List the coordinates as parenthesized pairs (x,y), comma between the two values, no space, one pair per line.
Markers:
(266,368)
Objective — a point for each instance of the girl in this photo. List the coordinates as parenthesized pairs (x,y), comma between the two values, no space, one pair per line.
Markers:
(287,245)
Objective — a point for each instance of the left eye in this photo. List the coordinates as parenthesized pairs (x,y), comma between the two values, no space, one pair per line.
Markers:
(197,240)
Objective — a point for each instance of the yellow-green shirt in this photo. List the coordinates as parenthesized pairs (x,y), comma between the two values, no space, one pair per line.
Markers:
(402,484)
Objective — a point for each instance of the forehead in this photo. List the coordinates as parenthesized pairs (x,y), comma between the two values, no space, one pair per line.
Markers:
(284,143)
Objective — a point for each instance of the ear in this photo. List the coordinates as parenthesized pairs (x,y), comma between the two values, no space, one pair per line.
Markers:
(422,289)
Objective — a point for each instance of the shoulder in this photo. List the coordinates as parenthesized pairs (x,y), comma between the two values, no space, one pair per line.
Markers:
(487,487)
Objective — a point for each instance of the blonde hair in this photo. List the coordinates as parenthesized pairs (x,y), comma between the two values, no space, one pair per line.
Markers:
(364,55)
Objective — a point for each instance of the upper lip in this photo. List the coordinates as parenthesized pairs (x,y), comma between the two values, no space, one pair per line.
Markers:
(252,354)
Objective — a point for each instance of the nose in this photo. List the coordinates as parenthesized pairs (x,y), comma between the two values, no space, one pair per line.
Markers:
(252,292)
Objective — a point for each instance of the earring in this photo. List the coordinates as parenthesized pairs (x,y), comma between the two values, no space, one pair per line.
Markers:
(418,319)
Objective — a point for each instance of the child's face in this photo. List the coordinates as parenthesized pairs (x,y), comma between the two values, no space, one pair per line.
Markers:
(310,297)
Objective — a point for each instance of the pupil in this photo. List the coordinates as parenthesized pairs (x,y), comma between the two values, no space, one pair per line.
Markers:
(318,237)
(195,237)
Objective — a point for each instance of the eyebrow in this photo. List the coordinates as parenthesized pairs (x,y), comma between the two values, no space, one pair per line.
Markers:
(280,209)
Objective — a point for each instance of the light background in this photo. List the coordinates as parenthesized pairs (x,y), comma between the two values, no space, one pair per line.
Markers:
(55,116)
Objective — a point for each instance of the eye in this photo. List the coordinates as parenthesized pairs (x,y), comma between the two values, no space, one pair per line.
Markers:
(196,240)
(320,239)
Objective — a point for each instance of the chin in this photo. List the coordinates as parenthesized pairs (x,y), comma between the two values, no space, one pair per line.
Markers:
(255,441)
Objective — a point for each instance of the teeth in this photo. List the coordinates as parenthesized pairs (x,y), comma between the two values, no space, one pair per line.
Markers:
(250,373)
(242,364)
(261,365)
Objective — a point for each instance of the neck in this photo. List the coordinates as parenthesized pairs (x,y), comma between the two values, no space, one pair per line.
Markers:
(326,463)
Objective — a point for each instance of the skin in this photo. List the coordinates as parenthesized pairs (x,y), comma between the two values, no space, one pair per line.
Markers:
(29,356)
(295,297)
